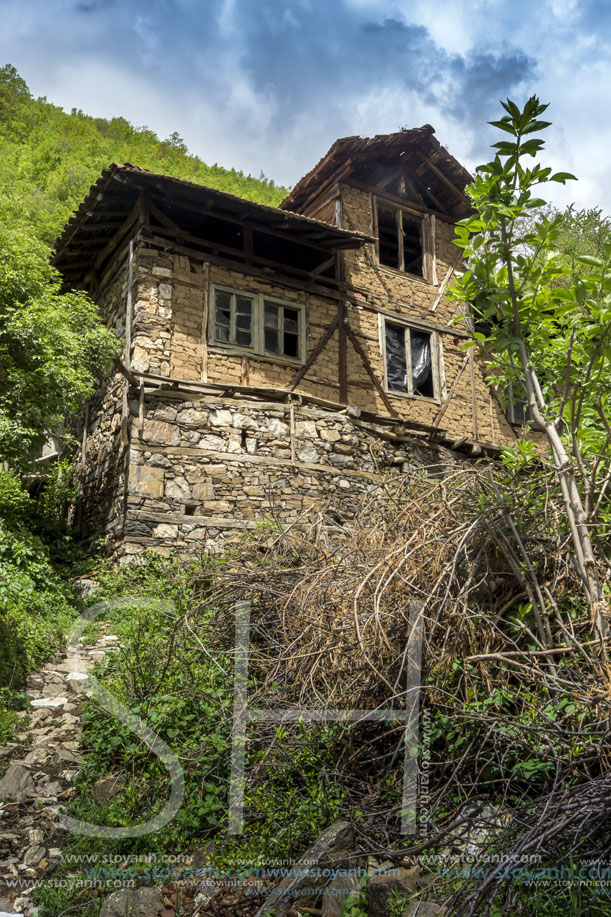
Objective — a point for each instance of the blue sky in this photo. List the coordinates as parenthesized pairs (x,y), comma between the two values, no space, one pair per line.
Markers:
(267,85)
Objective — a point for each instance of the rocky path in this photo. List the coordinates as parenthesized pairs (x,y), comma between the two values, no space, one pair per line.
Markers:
(40,766)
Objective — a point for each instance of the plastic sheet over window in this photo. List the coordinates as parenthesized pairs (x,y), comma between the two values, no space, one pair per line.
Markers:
(422,376)
(418,379)
(396,368)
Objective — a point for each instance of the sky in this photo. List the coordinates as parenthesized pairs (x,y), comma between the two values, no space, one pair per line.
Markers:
(268,85)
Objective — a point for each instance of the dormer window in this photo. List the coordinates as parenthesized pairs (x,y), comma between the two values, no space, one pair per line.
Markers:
(405,240)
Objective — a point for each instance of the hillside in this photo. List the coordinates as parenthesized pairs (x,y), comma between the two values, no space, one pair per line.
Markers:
(48,158)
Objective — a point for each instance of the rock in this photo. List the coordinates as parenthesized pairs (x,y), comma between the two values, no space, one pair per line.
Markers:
(308,454)
(384,890)
(84,587)
(137,902)
(105,788)
(337,891)
(17,784)
(424,909)
(49,702)
(336,839)
(34,855)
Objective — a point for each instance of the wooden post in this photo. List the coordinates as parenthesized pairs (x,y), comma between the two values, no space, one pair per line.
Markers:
(205,314)
(473,394)
(342,316)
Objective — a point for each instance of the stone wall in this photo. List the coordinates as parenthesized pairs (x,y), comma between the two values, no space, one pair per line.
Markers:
(204,468)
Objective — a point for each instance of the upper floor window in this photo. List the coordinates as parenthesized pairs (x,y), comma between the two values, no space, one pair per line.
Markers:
(410,360)
(255,322)
(405,240)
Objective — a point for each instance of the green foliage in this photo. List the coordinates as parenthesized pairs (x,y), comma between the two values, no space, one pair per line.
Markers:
(53,347)
(524,288)
(48,158)
(356,906)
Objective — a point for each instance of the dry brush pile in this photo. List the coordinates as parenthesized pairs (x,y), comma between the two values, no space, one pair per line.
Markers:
(515,686)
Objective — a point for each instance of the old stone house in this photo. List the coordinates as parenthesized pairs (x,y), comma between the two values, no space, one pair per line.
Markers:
(275,359)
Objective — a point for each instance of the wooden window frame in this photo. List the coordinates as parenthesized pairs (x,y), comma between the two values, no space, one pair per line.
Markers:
(257,349)
(436,358)
(427,239)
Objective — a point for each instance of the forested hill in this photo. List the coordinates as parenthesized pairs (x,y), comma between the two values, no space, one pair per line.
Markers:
(48,158)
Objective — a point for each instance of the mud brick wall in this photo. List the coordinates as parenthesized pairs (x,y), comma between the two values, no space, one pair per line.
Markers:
(169,334)
(385,292)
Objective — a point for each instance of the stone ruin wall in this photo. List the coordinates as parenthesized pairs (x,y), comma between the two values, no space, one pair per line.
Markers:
(204,468)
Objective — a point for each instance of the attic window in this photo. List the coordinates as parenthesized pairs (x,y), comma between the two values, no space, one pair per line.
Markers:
(410,364)
(405,241)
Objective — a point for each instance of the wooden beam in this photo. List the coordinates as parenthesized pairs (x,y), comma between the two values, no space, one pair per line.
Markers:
(445,281)
(453,387)
(444,179)
(125,372)
(314,355)
(242,267)
(161,217)
(323,267)
(342,317)
(205,319)
(474,418)
(357,346)
(117,238)
(397,201)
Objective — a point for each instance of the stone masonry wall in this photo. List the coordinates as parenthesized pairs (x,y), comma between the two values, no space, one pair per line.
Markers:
(204,468)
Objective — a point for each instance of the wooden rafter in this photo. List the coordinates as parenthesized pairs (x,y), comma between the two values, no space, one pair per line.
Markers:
(444,178)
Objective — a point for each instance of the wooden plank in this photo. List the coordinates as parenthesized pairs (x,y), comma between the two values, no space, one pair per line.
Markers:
(357,346)
(245,372)
(445,281)
(322,202)
(324,340)
(453,387)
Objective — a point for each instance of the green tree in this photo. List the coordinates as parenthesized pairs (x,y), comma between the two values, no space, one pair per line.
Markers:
(545,328)
(53,347)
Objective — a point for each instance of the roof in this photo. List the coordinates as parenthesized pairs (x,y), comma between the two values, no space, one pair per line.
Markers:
(429,163)
(111,201)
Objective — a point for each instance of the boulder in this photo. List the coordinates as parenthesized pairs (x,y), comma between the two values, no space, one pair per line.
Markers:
(386,890)
(17,784)
(336,892)
(133,902)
